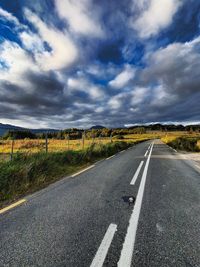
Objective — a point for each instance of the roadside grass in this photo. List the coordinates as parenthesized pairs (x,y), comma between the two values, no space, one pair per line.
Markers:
(189,142)
(27,173)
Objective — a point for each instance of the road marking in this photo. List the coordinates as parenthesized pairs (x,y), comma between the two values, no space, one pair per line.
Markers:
(129,242)
(110,157)
(99,161)
(137,173)
(104,246)
(172,148)
(73,175)
(149,147)
(13,205)
(122,151)
(146,153)
(197,166)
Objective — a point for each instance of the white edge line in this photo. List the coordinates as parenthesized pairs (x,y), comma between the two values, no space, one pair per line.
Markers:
(73,175)
(136,173)
(172,148)
(104,246)
(110,157)
(99,161)
(129,242)
(197,166)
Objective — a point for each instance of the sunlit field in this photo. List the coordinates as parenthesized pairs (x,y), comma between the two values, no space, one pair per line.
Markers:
(57,145)
(171,136)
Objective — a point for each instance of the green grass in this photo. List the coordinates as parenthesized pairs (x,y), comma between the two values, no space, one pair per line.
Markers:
(29,173)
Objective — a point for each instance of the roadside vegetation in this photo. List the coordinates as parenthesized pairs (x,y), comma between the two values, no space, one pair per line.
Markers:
(184,143)
(41,159)
(27,173)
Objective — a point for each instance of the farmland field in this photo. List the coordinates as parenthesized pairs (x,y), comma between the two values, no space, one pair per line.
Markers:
(57,145)
(60,145)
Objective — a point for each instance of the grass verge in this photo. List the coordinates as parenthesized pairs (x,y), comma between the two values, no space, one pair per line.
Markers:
(184,143)
(29,173)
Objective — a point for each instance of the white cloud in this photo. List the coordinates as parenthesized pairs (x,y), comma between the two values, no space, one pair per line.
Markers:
(82,84)
(17,62)
(118,100)
(99,109)
(64,51)
(123,78)
(138,95)
(80,15)
(76,83)
(99,70)
(176,67)
(9,17)
(115,103)
(174,75)
(157,16)
(95,92)
(32,42)
(161,97)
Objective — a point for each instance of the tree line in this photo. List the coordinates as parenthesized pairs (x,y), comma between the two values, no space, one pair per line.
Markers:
(74,133)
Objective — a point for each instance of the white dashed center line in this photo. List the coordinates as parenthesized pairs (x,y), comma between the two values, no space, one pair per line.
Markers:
(136,173)
(104,246)
(128,246)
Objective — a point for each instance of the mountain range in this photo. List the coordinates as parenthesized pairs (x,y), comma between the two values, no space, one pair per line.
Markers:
(8,127)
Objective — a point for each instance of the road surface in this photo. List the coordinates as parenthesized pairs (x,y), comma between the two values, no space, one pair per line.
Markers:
(89,219)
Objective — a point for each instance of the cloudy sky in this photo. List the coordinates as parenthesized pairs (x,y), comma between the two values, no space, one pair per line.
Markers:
(78,63)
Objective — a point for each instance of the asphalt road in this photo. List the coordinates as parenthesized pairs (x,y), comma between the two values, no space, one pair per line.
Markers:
(87,220)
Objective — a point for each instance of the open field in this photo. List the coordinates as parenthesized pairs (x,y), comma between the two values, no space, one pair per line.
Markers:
(56,145)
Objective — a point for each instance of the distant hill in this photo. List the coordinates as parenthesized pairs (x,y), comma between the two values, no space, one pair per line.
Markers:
(8,127)
(96,127)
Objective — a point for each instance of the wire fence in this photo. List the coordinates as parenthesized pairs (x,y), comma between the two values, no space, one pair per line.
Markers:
(8,148)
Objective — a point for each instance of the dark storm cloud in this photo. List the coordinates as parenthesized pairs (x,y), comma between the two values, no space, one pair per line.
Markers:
(43,96)
(110,69)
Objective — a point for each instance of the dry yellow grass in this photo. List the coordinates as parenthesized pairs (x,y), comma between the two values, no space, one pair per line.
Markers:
(173,135)
(55,145)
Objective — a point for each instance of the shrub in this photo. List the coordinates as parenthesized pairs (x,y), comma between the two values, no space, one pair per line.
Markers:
(186,144)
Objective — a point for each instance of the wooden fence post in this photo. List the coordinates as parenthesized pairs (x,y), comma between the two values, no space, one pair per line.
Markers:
(83,140)
(12,149)
(68,140)
(46,143)
(111,138)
